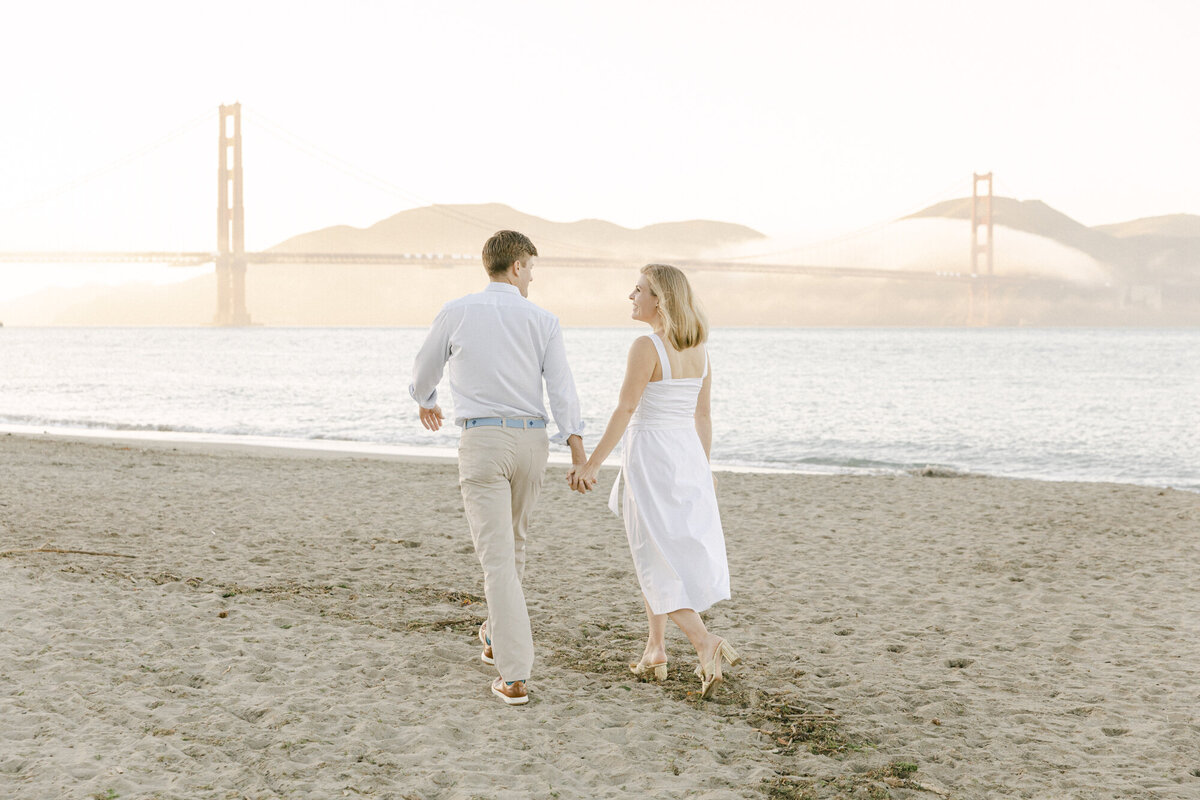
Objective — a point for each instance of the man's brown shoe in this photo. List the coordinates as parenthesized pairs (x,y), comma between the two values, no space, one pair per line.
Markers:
(486,655)
(513,695)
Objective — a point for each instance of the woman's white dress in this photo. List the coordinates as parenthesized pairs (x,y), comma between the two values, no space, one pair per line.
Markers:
(670,506)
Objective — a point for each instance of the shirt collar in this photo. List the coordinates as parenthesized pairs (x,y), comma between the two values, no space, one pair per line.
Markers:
(497,286)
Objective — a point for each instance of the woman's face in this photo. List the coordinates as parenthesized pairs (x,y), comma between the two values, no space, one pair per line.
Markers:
(645,304)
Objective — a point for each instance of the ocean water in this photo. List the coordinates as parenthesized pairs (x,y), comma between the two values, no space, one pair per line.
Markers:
(1063,404)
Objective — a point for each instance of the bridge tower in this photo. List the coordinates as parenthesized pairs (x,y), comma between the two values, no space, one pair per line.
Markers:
(980,293)
(231,218)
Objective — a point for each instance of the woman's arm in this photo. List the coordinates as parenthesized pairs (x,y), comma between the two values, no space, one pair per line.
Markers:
(704,413)
(638,369)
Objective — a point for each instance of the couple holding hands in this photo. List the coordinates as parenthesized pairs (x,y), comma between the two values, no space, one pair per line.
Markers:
(500,348)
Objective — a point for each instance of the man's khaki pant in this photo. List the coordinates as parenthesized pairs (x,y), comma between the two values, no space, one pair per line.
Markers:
(500,473)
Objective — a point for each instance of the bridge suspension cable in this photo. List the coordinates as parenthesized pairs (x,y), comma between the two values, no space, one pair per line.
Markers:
(128,158)
(353,171)
(231,258)
(954,186)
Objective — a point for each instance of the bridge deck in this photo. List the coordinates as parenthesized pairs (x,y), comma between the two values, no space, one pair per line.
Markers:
(187,259)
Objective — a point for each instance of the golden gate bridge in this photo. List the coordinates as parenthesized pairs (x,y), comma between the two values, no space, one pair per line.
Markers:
(231,258)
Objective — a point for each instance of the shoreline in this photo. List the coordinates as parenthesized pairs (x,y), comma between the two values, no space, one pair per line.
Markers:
(271,446)
(311,448)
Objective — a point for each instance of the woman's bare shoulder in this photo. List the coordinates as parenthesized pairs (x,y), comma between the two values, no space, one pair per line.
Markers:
(642,352)
(642,344)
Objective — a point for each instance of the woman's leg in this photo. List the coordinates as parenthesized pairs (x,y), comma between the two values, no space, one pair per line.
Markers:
(693,627)
(656,642)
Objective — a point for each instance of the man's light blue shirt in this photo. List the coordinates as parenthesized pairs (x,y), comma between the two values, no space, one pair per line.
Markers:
(500,348)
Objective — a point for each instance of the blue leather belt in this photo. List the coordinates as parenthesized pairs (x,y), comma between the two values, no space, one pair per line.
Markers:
(504,422)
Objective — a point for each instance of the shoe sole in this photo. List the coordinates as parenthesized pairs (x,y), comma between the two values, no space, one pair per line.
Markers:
(712,687)
(650,672)
(483,653)
(724,651)
(512,701)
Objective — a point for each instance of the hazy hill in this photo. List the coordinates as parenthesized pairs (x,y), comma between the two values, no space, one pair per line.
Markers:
(464,228)
(1160,248)
(1034,216)
(348,294)
(1174,226)
(317,294)
(1149,250)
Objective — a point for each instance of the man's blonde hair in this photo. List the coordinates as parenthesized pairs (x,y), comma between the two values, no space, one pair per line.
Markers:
(684,321)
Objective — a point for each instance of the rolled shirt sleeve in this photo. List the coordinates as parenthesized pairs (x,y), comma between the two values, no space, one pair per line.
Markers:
(430,363)
(560,388)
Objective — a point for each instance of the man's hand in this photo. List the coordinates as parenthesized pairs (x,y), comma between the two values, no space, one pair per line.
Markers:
(583,477)
(573,479)
(431,418)
(578,459)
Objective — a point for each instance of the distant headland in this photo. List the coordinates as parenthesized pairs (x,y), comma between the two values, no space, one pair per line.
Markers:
(1059,272)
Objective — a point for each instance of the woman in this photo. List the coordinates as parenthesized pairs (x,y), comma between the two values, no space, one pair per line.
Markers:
(670,505)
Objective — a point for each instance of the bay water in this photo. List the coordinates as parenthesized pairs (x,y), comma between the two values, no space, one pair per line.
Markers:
(1117,405)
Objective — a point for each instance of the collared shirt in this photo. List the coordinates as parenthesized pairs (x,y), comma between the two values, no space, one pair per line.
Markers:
(500,347)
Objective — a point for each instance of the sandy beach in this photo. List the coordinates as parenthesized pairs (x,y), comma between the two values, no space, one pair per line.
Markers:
(263,625)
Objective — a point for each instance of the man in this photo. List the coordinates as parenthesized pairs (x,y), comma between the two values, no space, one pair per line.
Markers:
(501,347)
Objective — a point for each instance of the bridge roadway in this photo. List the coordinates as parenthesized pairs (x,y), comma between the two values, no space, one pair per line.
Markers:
(192,259)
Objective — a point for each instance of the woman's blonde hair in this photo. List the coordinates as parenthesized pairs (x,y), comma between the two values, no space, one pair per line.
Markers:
(683,319)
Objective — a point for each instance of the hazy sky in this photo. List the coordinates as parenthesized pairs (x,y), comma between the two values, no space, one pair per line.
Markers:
(803,120)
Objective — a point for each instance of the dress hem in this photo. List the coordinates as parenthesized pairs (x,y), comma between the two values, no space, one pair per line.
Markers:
(699,608)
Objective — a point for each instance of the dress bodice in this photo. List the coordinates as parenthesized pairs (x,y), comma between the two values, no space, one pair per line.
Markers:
(670,402)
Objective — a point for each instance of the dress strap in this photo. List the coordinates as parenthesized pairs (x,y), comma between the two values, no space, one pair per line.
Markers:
(662,356)
(705,375)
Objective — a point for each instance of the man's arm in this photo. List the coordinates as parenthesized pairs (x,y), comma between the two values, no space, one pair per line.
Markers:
(427,372)
(575,442)
(564,402)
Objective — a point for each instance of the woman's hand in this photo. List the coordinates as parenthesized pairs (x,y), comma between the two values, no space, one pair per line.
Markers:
(573,478)
(586,476)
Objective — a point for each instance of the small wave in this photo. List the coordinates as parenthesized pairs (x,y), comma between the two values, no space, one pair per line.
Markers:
(806,466)
(834,462)
(935,471)
(30,421)
(104,425)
